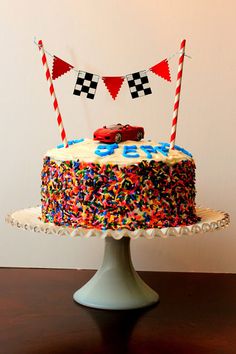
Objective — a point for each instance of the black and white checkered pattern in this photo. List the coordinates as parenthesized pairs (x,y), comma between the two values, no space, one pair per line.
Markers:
(138,84)
(86,83)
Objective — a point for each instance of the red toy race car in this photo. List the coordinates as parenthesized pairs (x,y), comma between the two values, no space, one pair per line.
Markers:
(118,132)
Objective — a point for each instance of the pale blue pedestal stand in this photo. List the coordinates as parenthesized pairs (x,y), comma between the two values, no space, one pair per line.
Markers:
(116,285)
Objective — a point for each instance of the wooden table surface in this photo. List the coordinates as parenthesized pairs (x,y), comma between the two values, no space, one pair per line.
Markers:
(196,315)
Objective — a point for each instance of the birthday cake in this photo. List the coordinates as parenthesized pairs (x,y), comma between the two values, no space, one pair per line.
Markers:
(133,185)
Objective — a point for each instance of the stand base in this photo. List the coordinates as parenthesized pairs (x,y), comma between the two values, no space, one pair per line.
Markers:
(116,285)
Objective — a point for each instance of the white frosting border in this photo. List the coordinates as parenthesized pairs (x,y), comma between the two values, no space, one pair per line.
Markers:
(28,219)
(85,152)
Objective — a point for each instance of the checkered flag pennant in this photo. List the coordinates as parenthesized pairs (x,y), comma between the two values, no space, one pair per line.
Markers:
(138,84)
(86,83)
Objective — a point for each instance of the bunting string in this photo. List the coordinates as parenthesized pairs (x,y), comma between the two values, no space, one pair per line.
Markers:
(86,83)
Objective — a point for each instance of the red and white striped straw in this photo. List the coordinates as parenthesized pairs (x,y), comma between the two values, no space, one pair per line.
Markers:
(52,93)
(177,95)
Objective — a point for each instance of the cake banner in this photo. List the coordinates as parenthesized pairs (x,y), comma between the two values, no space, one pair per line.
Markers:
(59,67)
(138,84)
(86,83)
(162,69)
(113,84)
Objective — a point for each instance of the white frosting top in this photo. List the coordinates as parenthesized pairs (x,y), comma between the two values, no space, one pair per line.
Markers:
(85,152)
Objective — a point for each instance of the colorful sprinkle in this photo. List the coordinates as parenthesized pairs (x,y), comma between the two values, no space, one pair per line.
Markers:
(149,194)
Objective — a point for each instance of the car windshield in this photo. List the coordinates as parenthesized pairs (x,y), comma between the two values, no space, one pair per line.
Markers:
(115,126)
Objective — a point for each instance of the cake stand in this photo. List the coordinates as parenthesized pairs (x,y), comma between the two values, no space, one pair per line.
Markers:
(116,285)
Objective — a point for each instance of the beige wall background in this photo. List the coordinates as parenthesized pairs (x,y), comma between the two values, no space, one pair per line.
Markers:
(110,37)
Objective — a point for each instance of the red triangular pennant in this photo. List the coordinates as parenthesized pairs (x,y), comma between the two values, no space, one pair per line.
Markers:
(162,69)
(113,84)
(59,67)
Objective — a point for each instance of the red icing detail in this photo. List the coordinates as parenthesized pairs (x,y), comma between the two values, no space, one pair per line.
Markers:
(162,69)
(59,67)
(113,84)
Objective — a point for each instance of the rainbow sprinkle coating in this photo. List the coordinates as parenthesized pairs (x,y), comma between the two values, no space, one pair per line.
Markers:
(149,194)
